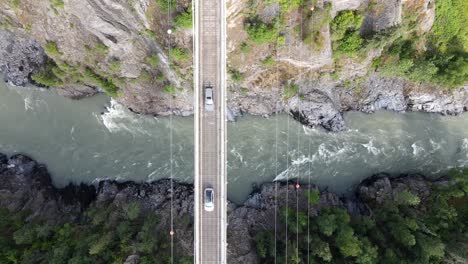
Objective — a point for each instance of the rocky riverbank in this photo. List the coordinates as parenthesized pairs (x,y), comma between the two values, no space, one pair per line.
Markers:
(26,187)
(320,104)
(120,47)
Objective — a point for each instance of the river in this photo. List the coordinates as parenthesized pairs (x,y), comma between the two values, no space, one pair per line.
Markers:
(95,138)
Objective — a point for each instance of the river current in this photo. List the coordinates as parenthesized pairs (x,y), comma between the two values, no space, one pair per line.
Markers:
(97,138)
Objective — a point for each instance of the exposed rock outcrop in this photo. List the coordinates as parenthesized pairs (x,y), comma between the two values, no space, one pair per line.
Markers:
(399,95)
(113,39)
(116,38)
(26,185)
(20,56)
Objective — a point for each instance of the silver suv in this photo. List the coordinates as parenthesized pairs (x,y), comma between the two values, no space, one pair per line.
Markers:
(209,199)
(209,98)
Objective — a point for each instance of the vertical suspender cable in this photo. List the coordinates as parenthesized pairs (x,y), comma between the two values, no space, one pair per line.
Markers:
(169,23)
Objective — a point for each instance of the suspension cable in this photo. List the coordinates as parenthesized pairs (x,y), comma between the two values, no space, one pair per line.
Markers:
(299,137)
(276,148)
(169,31)
(287,153)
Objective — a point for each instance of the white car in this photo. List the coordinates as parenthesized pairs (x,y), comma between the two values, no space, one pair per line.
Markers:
(209,199)
(209,98)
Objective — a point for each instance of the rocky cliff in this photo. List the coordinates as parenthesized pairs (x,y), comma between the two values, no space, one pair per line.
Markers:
(281,59)
(25,186)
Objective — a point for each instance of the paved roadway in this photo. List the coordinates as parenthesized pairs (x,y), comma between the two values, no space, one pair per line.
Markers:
(210,127)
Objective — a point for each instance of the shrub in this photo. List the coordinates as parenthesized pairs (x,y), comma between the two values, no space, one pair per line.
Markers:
(106,84)
(261,33)
(236,75)
(51,48)
(345,32)
(290,90)
(184,19)
(450,25)
(59,72)
(344,22)
(47,77)
(349,44)
(268,61)
(152,60)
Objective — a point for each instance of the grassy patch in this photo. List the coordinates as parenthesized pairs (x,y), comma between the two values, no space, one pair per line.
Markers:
(145,76)
(288,5)
(290,91)
(236,75)
(56,5)
(179,54)
(245,48)
(114,65)
(170,89)
(313,23)
(101,49)
(15,4)
(268,61)
(165,5)
(148,33)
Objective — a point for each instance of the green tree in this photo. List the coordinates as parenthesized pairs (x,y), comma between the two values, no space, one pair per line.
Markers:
(405,197)
(327,223)
(313,196)
(132,210)
(321,249)
(369,254)
(261,33)
(347,242)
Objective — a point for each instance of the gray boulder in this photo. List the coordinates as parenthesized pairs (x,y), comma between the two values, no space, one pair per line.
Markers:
(20,56)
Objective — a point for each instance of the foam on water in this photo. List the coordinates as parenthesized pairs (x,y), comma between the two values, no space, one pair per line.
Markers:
(417,150)
(371,148)
(118,118)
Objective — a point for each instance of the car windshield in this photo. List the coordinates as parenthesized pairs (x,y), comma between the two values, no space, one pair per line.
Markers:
(208,195)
